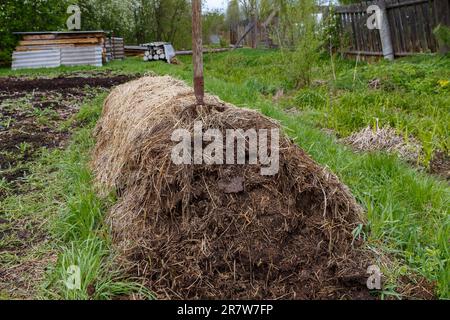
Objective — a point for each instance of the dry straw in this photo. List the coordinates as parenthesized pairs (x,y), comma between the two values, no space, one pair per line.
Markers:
(385,139)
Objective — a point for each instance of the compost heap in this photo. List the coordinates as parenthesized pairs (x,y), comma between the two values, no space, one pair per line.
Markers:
(221,231)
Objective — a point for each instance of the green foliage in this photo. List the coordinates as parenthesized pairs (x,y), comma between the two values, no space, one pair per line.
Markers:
(331,36)
(27,15)
(233,15)
(442,33)
(80,227)
(299,39)
(109,15)
(413,98)
(138,21)
(213,24)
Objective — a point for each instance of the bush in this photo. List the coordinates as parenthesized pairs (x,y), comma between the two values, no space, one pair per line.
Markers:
(442,33)
(300,41)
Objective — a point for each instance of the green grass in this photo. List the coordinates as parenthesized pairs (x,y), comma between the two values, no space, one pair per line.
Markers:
(80,223)
(412,97)
(407,210)
(61,198)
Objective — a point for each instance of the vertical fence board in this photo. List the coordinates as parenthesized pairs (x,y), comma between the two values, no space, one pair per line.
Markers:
(394,30)
(397,15)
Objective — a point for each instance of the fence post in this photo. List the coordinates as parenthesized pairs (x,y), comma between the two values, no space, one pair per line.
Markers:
(385,32)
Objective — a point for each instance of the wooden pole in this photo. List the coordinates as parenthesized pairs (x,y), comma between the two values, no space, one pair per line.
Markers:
(197,51)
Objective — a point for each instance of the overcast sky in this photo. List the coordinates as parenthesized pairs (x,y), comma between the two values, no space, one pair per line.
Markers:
(216,4)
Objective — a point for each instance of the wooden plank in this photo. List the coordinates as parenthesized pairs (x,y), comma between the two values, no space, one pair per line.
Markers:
(416,26)
(427,7)
(379,53)
(406,3)
(39,37)
(363,25)
(61,36)
(365,34)
(80,36)
(58,41)
(43,47)
(423,28)
(348,31)
(189,52)
(87,45)
(406,32)
(364,53)
(341,29)
(412,22)
(401,29)
(395,32)
(348,9)
(354,45)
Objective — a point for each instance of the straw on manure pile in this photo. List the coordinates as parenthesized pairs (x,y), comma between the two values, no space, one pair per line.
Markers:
(192,232)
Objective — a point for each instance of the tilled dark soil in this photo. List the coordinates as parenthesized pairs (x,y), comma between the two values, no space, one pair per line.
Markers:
(32,110)
(19,85)
(440,165)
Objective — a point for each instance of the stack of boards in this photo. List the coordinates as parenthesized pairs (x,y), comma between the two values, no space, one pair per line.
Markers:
(135,51)
(114,49)
(158,51)
(54,49)
(157,54)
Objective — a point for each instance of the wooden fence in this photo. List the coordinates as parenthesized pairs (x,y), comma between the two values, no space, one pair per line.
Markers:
(410,24)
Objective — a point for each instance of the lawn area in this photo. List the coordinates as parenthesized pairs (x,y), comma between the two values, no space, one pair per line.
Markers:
(407,208)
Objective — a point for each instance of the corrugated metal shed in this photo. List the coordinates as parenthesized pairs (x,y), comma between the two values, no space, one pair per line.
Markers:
(47,49)
(82,56)
(53,49)
(36,59)
(58,57)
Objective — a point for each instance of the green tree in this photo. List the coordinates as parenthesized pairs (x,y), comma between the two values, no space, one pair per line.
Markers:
(213,24)
(233,17)
(28,15)
(162,20)
(299,37)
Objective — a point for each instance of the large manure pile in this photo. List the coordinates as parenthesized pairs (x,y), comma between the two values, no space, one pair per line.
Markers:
(221,231)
